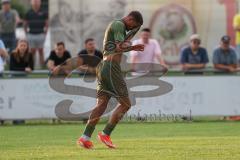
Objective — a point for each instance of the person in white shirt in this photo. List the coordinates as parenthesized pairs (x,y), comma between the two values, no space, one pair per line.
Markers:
(3,57)
(152,52)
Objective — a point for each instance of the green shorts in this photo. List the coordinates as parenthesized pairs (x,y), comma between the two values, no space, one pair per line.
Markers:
(111,80)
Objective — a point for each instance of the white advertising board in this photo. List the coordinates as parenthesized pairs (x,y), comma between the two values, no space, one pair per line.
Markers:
(34,98)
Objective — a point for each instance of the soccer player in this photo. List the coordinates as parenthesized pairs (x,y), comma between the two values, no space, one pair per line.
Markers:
(110,79)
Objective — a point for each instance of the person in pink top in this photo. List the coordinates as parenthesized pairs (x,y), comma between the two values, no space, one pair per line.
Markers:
(151,54)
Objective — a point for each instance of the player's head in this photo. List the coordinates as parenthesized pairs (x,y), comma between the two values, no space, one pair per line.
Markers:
(90,44)
(145,34)
(133,20)
(60,48)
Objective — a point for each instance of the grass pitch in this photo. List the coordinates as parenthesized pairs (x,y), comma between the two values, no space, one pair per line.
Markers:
(137,141)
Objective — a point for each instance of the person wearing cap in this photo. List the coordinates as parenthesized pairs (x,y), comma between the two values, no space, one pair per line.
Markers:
(224,56)
(9,18)
(194,56)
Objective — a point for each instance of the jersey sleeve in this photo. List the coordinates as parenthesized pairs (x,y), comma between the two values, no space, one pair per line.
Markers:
(118,29)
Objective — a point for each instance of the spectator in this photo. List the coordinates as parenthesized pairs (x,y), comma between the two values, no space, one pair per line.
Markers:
(21,59)
(194,56)
(90,49)
(224,57)
(58,57)
(9,19)
(90,55)
(151,52)
(236,25)
(36,25)
(3,56)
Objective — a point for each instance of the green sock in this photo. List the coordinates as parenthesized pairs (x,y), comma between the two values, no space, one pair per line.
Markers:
(108,129)
(89,130)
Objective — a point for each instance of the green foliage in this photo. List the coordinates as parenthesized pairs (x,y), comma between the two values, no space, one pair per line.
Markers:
(19,7)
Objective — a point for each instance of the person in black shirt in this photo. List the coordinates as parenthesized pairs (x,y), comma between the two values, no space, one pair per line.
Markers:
(90,55)
(36,25)
(21,59)
(90,49)
(58,57)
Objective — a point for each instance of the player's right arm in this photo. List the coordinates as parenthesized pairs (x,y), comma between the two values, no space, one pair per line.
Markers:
(122,45)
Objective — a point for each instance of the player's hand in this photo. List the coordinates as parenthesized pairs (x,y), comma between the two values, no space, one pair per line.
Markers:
(138,47)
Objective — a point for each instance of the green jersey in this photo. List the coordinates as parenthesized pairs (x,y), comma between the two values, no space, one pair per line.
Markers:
(115,32)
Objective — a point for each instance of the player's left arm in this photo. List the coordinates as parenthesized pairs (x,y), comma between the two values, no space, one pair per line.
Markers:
(127,47)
